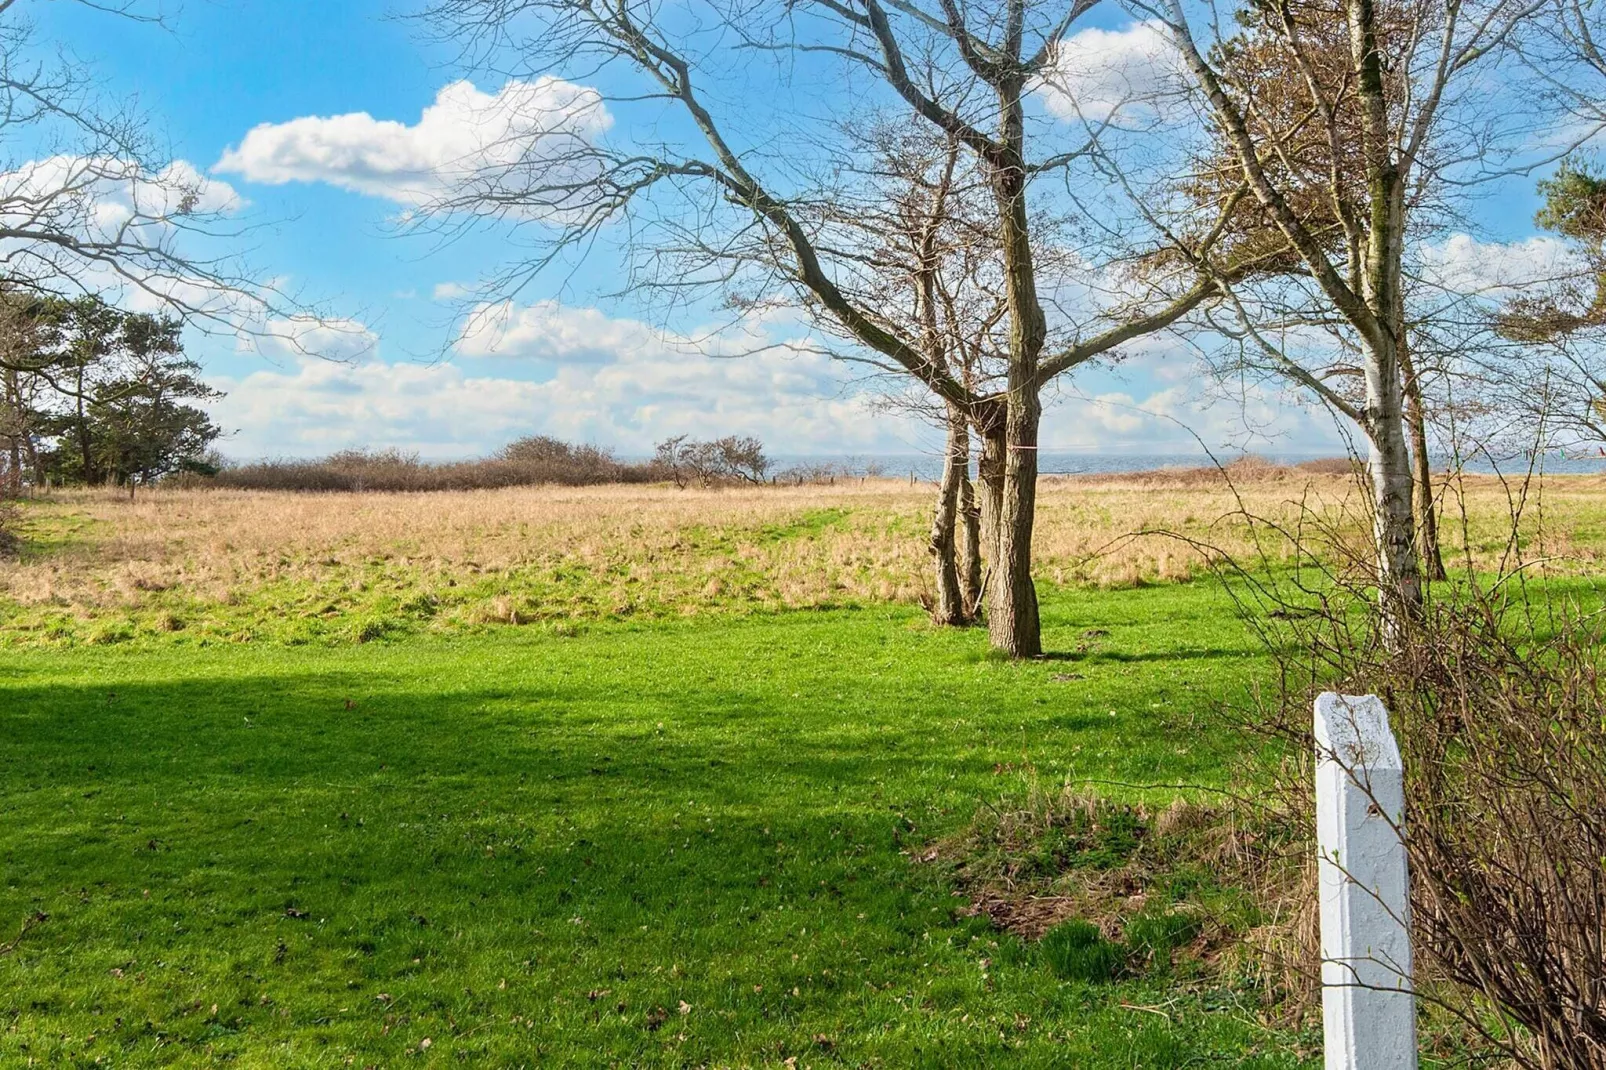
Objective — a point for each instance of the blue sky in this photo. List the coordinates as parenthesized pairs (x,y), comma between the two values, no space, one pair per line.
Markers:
(580,364)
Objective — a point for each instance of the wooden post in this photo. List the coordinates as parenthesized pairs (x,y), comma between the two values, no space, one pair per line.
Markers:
(1368,1006)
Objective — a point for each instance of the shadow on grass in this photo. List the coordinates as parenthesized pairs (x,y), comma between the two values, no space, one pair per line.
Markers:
(528,852)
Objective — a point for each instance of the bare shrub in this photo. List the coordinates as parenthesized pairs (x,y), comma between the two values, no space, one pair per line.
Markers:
(1501,715)
(551,460)
(1330,466)
(1494,692)
(712,462)
(534,461)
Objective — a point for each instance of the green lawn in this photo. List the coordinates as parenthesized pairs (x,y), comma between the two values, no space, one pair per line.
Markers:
(673,844)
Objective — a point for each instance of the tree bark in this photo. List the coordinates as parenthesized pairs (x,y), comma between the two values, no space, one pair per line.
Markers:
(1399,577)
(949,606)
(970,552)
(1427,521)
(990,473)
(1012,617)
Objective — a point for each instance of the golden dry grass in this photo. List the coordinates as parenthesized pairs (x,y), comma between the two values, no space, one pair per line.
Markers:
(251,561)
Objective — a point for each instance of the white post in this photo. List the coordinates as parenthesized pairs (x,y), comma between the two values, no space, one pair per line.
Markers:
(1368,1007)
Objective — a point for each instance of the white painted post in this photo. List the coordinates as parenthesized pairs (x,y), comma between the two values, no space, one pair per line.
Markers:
(1368,1007)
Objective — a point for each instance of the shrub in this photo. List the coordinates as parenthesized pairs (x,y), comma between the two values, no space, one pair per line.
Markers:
(528,462)
(715,462)
(1495,694)
(1077,951)
(1503,728)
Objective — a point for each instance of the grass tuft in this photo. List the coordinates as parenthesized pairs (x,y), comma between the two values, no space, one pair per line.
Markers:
(1077,951)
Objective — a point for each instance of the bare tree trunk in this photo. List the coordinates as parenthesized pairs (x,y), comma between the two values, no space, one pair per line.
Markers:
(1012,617)
(970,592)
(949,606)
(1399,576)
(990,472)
(1427,523)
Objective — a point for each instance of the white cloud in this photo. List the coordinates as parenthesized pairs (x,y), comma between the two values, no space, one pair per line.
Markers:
(1177,419)
(1462,264)
(1163,400)
(112,191)
(442,410)
(329,339)
(571,372)
(450,291)
(464,133)
(150,220)
(1100,74)
(581,375)
(551,331)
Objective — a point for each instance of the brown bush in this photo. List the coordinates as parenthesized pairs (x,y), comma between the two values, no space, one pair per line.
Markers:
(536,461)
(1501,718)
(1329,466)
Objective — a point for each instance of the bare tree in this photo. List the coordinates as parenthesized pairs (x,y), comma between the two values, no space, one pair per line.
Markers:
(712,462)
(725,195)
(1384,120)
(920,215)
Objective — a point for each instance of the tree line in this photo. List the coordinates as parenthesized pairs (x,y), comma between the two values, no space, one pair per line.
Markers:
(534,460)
(92,394)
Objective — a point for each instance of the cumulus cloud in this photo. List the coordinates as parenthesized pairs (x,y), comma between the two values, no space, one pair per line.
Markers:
(1462,264)
(444,410)
(1162,400)
(1177,419)
(146,237)
(329,339)
(105,194)
(581,375)
(465,133)
(572,372)
(551,331)
(1099,74)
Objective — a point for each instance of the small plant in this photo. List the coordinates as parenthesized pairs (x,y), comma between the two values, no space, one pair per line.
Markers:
(1156,933)
(1077,951)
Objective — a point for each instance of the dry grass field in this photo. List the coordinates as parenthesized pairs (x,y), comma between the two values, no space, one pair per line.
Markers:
(241,565)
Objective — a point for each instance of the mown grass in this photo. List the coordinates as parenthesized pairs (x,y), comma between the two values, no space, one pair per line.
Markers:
(685,843)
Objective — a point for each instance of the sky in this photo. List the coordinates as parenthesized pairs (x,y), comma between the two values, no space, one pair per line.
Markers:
(323,118)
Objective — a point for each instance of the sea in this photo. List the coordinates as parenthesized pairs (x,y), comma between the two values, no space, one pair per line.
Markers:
(926,467)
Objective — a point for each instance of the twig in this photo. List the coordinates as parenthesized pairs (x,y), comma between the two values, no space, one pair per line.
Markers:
(30,922)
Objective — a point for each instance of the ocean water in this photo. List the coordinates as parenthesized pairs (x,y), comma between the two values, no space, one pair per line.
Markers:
(1052,462)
